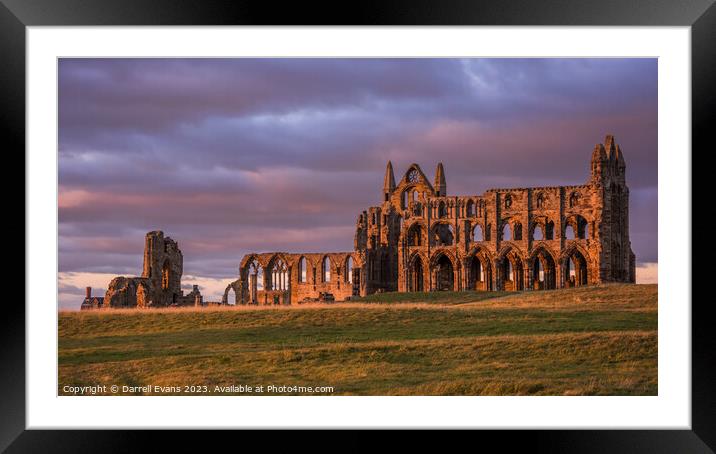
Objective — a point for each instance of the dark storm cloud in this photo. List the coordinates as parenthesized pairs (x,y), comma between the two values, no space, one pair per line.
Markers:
(233,155)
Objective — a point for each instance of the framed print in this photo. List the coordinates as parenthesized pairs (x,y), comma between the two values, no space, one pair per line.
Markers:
(467,218)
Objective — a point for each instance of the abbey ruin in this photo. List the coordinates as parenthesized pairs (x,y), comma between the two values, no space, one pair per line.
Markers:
(422,239)
(160,283)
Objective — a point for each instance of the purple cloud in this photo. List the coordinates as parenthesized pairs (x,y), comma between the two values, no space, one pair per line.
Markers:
(233,155)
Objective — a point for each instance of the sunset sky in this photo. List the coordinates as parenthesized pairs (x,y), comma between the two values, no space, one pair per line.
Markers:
(230,156)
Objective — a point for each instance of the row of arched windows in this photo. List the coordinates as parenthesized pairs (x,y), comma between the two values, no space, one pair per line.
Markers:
(280,279)
(574,199)
(539,233)
(325,272)
(472,209)
(512,232)
(444,234)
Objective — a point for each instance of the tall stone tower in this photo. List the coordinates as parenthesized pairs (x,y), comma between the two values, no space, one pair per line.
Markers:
(617,261)
(160,282)
(163,266)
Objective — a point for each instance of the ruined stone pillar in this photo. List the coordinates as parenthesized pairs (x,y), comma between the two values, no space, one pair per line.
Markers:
(559,281)
(530,277)
(457,278)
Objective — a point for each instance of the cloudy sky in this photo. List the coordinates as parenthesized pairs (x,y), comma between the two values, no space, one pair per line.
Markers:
(229,156)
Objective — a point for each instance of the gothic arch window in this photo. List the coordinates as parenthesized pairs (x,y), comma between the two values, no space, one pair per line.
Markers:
(302,270)
(231,296)
(326,265)
(349,270)
(549,230)
(540,201)
(256,274)
(444,234)
(577,227)
(478,234)
(279,275)
(569,232)
(442,210)
(517,231)
(470,209)
(506,232)
(574,199)
(538,233)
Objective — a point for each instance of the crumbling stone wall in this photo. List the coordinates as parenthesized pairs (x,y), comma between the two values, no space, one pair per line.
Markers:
(286,278)
(160,283)
(125,292)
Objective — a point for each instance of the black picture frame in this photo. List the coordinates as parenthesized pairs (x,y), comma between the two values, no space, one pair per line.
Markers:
(16,15)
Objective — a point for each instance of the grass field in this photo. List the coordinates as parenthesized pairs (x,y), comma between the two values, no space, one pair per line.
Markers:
(587,341)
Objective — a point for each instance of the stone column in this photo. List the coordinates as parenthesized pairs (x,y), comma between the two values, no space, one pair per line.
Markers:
(496,280)
(529,282)
(559,279)
(457,279)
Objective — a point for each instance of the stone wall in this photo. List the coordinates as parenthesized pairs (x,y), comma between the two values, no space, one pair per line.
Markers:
(160,283)
(286,278)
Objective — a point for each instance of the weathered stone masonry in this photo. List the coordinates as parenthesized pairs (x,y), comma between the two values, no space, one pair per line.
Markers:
(422,239)
(160,283)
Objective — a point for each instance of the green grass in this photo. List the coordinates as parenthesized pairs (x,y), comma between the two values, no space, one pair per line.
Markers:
(429,297)
(597,341)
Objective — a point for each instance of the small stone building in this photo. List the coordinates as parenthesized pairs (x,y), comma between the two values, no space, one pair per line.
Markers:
(91,302)
(160,283)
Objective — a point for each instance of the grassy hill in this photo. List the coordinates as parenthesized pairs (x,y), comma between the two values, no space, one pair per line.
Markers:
(594,340)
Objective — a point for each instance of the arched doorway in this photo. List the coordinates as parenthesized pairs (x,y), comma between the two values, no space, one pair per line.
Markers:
(510,272)
(575,269)
(543,271)
(479,274)
(444,274)
(415,275)
(231,297)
